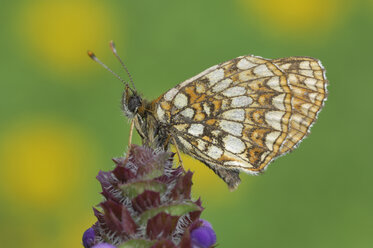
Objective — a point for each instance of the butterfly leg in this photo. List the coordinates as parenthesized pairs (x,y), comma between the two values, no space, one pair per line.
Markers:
(131,132)
(167,143)
(177,151)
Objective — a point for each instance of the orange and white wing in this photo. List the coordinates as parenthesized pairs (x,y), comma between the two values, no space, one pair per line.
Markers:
(307,82)
(234,116)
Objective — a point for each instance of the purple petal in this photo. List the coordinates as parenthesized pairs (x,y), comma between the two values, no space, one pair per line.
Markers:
(203,237)
(88,238)
(206,223)
(104,245)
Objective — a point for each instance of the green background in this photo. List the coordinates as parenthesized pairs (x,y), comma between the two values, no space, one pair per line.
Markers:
(60,119)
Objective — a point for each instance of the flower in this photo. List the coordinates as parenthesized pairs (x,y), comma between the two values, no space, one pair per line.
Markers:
(147,203)
(104,245)
(203,236)
(88,238)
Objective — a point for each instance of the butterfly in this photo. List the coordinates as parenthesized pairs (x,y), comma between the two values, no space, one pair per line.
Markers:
(236,116)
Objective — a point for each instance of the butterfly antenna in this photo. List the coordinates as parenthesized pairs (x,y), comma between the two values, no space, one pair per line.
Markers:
(93,56)
(114,50)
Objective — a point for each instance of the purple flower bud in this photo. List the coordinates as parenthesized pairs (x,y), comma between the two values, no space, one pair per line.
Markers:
(104,245)
(88,238)
(203,236)
(206,223)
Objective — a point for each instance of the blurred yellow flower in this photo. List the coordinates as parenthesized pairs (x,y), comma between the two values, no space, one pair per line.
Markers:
(58,33)
(41,162)
(71,235)
(296,17)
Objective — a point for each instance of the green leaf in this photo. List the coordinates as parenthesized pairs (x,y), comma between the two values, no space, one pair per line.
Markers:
(132,190)
(174,210)
(153,174)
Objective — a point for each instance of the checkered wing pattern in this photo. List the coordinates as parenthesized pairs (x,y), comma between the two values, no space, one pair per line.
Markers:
(307,81)
(241,114)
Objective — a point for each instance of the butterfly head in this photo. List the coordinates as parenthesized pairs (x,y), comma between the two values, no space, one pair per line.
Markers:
(132,102)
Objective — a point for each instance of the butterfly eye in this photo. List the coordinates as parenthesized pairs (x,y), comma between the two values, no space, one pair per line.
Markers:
(133,103)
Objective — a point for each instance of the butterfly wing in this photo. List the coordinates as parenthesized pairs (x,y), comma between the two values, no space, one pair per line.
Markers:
(307,81)
(234,116)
